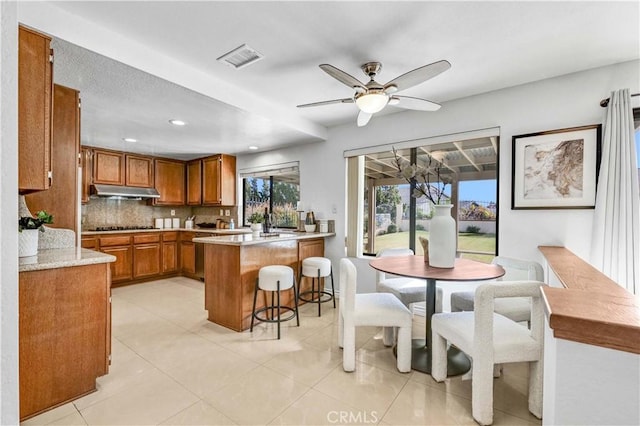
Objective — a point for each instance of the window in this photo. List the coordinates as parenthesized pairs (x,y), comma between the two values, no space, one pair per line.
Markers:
(393,218)
(276,188)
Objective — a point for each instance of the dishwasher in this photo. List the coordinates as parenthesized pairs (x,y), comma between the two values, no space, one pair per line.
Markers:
(200,255)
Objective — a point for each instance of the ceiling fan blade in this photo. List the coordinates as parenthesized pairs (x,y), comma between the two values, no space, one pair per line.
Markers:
(363,118)
(418,75)
(333,101)
(343,77)
(408,102)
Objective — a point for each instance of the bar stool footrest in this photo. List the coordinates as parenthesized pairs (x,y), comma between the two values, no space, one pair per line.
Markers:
(276,319)
(322,299)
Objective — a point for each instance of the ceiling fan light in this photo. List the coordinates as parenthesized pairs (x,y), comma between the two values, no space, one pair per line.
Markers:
(372,102)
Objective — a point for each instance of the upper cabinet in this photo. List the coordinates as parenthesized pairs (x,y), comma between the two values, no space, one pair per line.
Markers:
(35,88)
(219,180)
(108,167)
(139,171)
(170,182)
(194,182)
(61,199)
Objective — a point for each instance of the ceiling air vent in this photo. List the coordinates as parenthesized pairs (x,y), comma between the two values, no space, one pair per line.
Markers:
(240,57)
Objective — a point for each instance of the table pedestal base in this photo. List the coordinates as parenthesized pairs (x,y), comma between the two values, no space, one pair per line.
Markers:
(457,362)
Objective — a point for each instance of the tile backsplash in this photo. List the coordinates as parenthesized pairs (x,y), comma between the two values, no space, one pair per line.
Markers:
(108,212)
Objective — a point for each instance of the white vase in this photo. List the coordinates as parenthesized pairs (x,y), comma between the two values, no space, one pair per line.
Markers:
(256,227)
(442,238)
(28,242)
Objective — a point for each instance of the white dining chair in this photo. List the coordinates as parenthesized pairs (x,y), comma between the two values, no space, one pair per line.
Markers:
(370,309)
(489,338)
(516,308)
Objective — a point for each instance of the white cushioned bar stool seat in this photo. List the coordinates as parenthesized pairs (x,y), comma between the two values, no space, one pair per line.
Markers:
(274,279)
(370,309)
(316,268)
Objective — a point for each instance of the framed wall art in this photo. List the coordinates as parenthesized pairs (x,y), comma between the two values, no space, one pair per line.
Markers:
(556,169)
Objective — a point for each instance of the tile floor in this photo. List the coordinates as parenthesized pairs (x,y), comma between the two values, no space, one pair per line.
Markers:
(172,366)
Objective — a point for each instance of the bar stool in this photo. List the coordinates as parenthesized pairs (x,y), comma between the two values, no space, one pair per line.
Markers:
(316,268)
(275,278)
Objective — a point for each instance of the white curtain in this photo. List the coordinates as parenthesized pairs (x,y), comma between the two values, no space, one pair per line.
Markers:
(616,228)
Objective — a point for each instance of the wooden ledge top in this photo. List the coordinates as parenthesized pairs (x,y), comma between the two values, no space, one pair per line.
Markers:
(592,308)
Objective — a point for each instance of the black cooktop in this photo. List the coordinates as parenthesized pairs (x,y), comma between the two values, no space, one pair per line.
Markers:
(121,228)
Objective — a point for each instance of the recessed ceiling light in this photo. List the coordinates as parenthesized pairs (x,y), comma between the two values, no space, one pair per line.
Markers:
(130,140)
(178,122)
(253,147)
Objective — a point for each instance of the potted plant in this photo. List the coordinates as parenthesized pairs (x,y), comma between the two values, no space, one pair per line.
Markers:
(256,221)
(28,228)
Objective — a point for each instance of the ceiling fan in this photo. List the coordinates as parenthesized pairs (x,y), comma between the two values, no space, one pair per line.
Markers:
(373,96)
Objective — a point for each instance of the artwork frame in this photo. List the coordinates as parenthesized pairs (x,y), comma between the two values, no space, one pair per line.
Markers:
(556,169)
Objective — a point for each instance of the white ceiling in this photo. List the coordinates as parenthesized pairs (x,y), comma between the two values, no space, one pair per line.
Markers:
(491,45)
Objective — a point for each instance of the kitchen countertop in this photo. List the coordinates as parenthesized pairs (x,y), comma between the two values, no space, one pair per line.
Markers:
(249,239)
(62,258)
(203,230)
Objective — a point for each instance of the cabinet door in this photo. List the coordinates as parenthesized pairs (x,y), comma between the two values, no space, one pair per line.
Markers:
(211,193)
(169,257)
(194,183)
(61,199)
(170,182)
(35,87)
(120,269)
(108,167)
(188,257)
(139,171)
(228,180)
(146,260)
(86,161)
(89,243)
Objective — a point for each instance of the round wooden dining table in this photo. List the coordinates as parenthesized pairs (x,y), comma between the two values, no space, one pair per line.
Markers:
(415,267)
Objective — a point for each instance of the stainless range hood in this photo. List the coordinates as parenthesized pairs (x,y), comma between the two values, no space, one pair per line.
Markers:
(124,192)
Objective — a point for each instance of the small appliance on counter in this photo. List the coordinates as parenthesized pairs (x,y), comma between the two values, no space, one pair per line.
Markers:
(175,223)
(159,223)
(167,223)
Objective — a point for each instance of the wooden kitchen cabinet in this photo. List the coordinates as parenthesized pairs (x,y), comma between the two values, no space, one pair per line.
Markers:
(188,254)
(169,252)
(170,182)
(138,171)
(35,105)
(65,334)
(146,255)
(120,247)
(194,182)
(108,167)
(89,242)
(61,199)
(86,162)
(219,180)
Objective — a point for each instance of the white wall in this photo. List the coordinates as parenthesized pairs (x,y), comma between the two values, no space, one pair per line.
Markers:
(566,101)
(9,413)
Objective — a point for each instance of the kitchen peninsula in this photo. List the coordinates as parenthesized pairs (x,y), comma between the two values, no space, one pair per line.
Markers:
(232,263)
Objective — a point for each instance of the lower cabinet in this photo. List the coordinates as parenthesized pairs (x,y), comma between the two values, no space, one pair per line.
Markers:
(169,252)
(187,254)
(121,269)
(146,260)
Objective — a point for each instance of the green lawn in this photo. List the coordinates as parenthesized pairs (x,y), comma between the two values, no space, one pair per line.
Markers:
(466,242)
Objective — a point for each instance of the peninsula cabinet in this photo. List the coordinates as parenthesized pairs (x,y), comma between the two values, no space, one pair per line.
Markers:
(64,334)
(108,167)
(35,104)
(61,199)
(170,182)
(219,180)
